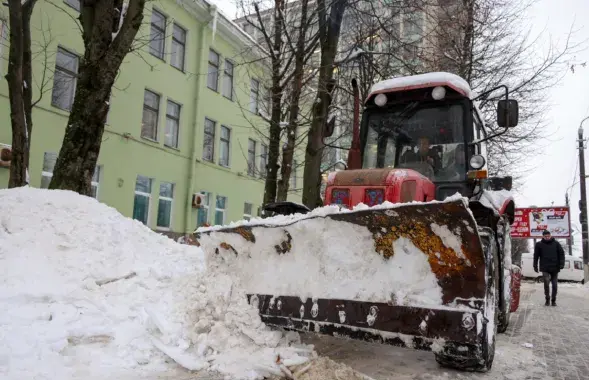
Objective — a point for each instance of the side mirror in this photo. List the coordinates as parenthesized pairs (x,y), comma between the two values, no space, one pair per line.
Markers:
(329,127)
(507,113)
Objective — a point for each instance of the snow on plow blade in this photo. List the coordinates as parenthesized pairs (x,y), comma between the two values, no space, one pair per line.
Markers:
(411,275)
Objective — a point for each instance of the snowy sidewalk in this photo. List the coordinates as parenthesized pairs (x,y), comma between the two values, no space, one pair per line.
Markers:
(559,335)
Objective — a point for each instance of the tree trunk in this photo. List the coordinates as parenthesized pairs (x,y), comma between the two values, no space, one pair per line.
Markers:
(27,73)
(103,56)
(329,30)
(299,72)
(81,144)
(14,77)
(275,128)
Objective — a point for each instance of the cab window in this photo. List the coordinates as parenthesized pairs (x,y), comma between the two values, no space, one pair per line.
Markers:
(579,265)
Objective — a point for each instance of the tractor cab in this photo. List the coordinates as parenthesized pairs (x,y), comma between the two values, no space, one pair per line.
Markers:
(424,130)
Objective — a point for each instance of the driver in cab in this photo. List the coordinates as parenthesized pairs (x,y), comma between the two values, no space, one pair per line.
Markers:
(423,155)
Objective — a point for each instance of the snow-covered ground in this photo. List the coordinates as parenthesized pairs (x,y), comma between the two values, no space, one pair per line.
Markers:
(86,293)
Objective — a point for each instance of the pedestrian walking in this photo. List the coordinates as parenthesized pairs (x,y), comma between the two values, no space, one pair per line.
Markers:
(551,256)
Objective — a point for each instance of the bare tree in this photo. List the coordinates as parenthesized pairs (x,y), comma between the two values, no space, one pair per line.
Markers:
(483,42)
(19,77)
(330,16)
(287,35)
(109,28)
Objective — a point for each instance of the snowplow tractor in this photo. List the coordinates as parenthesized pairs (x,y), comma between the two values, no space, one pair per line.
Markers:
(413,246)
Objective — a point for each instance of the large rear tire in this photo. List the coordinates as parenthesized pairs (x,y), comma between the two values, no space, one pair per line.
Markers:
(480,358)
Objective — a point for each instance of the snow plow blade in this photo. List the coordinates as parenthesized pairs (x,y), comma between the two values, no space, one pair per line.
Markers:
(417,275)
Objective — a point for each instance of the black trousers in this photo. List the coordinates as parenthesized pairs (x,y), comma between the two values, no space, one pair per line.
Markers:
(548,278)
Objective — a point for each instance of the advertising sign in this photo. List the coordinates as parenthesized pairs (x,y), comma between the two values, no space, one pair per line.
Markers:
(531,222)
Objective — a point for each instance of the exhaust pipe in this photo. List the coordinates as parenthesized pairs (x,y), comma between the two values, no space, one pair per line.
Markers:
(354,158)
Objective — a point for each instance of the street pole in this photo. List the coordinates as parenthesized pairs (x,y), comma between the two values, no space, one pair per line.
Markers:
(570,239)
(583,201)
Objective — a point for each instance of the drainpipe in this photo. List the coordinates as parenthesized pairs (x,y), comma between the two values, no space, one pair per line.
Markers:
(195,118)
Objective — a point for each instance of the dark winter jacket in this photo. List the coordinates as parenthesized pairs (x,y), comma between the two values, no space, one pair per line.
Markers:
(550,254)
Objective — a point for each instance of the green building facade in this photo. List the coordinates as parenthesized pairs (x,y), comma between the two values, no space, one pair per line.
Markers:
(184,125)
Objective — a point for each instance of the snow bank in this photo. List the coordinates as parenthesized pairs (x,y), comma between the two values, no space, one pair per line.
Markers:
(86,292)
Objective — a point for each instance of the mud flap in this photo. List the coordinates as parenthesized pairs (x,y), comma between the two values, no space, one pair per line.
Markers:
(445,237)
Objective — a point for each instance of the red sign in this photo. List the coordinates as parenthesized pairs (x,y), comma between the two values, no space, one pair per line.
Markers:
(531,222)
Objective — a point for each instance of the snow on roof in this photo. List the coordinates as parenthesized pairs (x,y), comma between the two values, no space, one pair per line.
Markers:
(423,80)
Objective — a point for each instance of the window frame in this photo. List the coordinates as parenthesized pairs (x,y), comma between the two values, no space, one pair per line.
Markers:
(217,66)
(263,160)
(247,216)
(251,158)
(180,43)
(96,183)
(67,72)
(166,199)
(205,205)
(157,111)
(293,175)
(152,25)
(143,194)
(231,76)
(225,141)
(257,96)
(73,6)
(222,210)
(212,159)
(4,47)
(174,118)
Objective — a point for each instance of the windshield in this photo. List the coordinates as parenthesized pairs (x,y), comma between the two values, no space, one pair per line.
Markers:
(429,140)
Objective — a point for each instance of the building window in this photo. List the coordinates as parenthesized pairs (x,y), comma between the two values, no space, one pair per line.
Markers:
(202,216)
(208,148)
(172,124)
(151,108)
(254,96)
(228,80)
(263,160)
(213,73)
(247,211)
(178,47)
(293,175)
(142,199)
(64,80)
(74,4)
(157,42)
(220,208)
(96,182)
(251,157)
(164,210)
(224,146)
(4,39)
(49,160)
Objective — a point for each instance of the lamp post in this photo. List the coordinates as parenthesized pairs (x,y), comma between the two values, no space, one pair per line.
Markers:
(583,201)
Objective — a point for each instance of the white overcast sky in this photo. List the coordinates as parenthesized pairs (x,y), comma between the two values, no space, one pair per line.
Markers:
(554,168)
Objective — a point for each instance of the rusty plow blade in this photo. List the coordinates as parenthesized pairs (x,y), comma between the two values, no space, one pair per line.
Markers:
(413,275)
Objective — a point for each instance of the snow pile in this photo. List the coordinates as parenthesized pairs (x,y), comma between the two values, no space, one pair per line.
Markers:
(326,258)
(495,199)
(86,292)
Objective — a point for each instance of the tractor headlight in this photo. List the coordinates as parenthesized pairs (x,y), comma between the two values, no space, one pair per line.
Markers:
(477,162)
(380,100)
